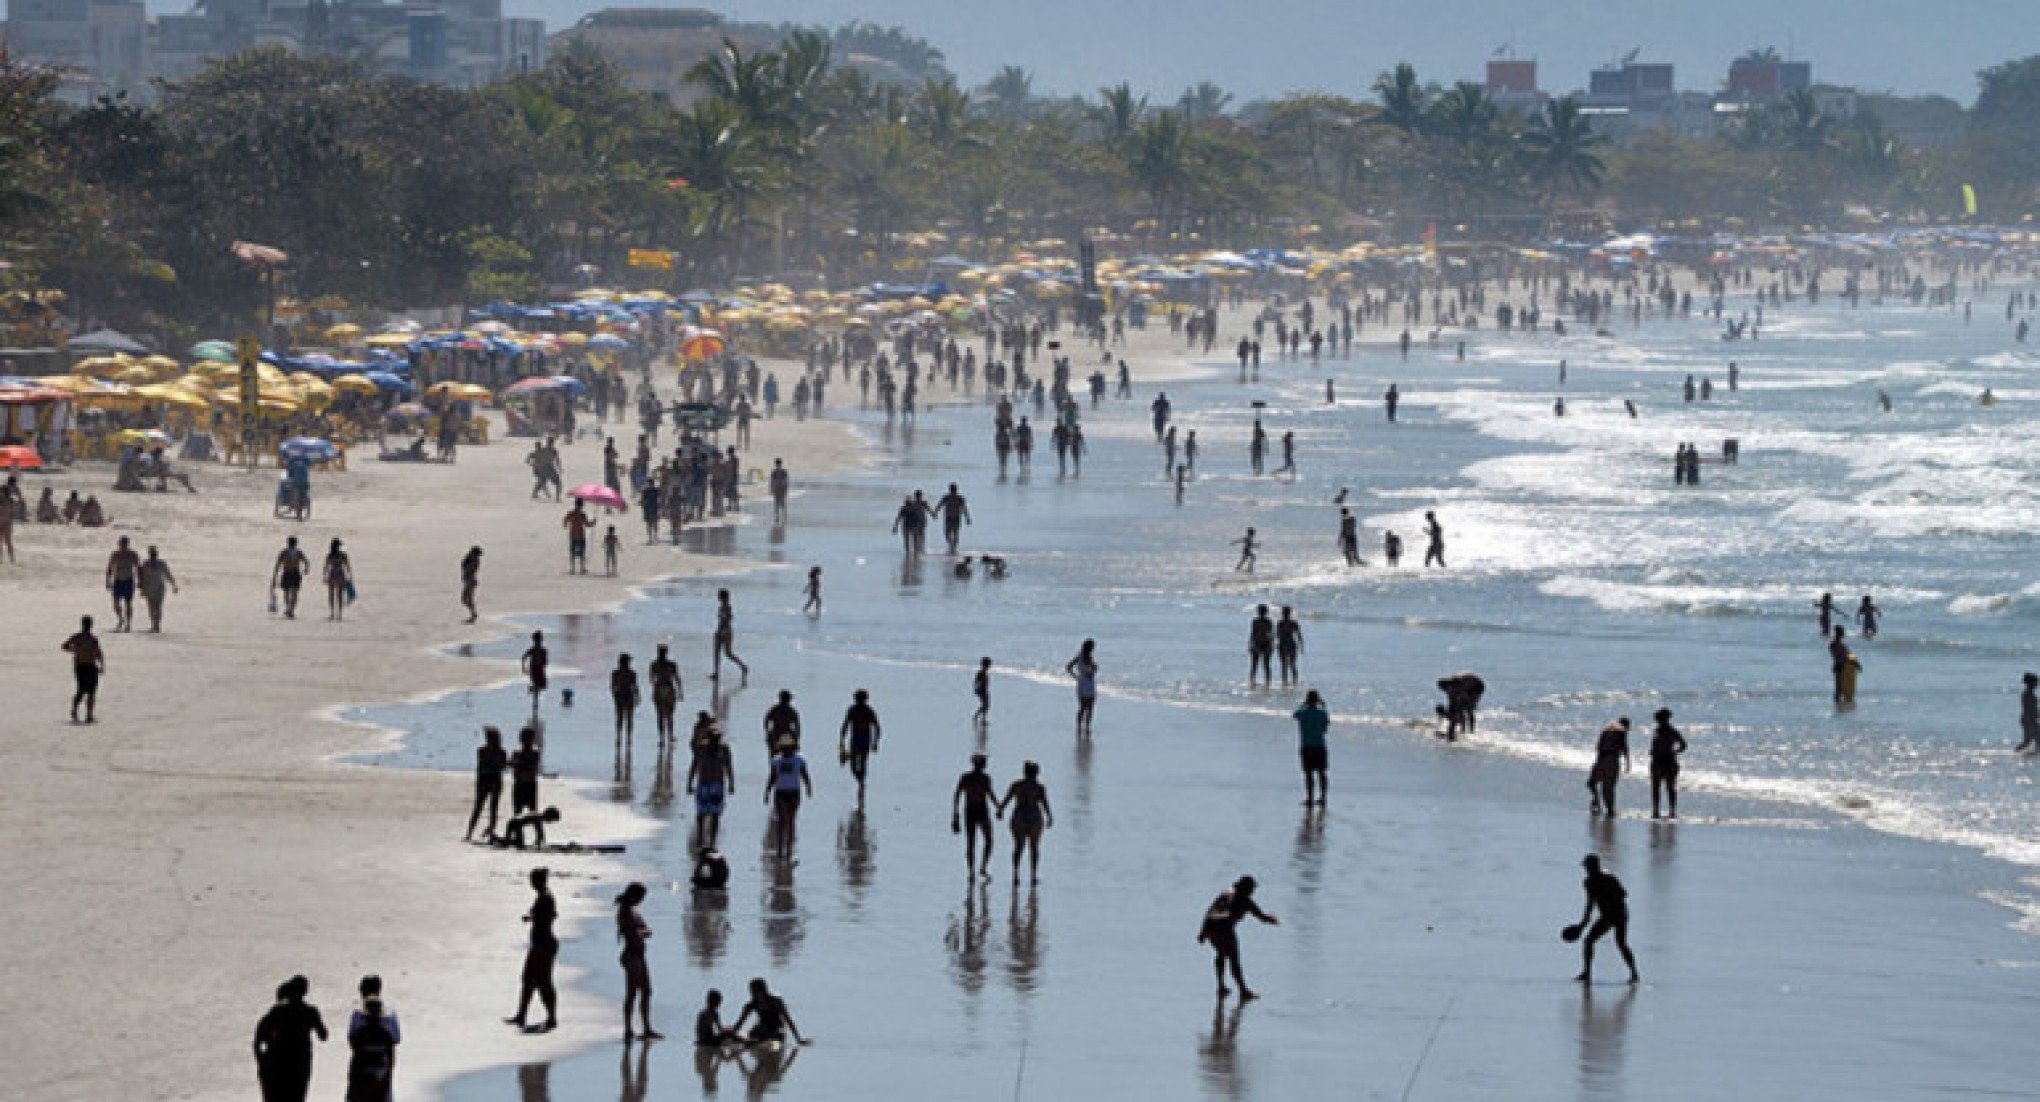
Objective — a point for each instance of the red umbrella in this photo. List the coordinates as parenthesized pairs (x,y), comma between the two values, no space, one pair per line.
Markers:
(19,458)
(706,344)
(595,494)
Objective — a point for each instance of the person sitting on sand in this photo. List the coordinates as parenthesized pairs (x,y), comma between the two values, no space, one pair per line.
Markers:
(46,511)
(533,821)
(709,1031)
(90,515)
(158,466)
(775,1021)
(71,508)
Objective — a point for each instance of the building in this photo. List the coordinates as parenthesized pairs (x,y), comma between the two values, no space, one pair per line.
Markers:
(104,46)
(98,47)
(1646,86)
(1758,79)
(1512,84)
(656,46)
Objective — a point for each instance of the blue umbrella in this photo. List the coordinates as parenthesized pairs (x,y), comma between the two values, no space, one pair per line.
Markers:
(574,386)
(310,448)
(607,340)
(385,380)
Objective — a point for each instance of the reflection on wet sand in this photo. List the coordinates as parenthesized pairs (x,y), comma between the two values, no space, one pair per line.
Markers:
(534,1083)
(785,927)
(966,940)
(621,789)
(1604,1023)
(635,1075)
(1023,942)
(660,802)
(707,927)
(856,860)
(1218,1056)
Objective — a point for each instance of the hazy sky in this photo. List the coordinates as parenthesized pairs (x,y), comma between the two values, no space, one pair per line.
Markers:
(1264,47)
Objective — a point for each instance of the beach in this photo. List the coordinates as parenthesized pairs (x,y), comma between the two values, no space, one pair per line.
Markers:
(1839,911)
(204,840)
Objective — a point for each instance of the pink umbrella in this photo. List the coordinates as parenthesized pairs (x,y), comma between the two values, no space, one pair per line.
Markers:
(595,494)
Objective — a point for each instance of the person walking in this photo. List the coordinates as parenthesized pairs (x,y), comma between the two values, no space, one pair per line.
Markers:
(490,762)
(155,579)
(633,932)
(88,665)
(373,1035)
(283,1043)
(540,952)
(1220,930)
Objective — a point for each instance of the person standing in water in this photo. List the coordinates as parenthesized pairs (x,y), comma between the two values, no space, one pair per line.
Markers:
(1839,658)
(725,638)
(1605,894)
(2029,714)
(1288,466)
(1435,532)
(1220,930)
(1867,615)
(540,952)
(1349,536)
(667,692)
(1666,744)
(533,667)
(283,1040)
(955,513)
(1391,548)
(783,785)
(1248,545)
(1393,398)
(1028,798)
(490,762)
(623,692)
(1825,606)
(1611,760)
(1313,723)
(981,687)
(710,773)
(970,814)
(1084,669)
(1260,647)
(633,932)
(1288,645)
(858,737)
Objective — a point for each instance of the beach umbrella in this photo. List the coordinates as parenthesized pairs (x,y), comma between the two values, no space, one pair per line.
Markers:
(19,458)
(216,351)
(607,340)
(354,384)
(540,385)
(142,438)
(595,494)
(573,386)
(312,448)
(703,345)
(575,339)
(101,366)
(390,340)
(385,380)
(170,394)
(409,411)
(344,333)
(459,392)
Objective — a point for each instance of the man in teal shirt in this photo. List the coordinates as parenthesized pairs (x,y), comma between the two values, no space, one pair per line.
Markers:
(1312,721)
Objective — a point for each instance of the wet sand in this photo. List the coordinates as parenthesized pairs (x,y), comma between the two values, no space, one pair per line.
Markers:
(168,866)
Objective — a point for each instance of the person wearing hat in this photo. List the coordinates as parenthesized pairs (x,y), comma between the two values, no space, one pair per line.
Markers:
(1221,932)
(1312,722)
(1607,894)
(2029,714)
(1666,744)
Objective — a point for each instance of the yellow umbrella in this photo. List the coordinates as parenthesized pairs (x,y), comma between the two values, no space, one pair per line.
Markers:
(389,340)
(101,365)
(344,332)
(136,375)
(171,395)
(354,384)
(163,364)
(459,392)
(575,339)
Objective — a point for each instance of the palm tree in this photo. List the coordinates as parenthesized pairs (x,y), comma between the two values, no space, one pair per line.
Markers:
(1158,155)
(750,84)
(1464,114)
(942,111)
(1010,92)
(1118,112)
(1559,149)
(1402,98)
(1802,125)
(1204,101)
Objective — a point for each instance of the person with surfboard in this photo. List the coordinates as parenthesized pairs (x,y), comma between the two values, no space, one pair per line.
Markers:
(1605,893)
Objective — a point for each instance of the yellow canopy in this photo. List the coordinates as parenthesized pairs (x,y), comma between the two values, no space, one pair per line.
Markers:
(171,395)
(459,392)
(389,340)
(353,384)
(345,331)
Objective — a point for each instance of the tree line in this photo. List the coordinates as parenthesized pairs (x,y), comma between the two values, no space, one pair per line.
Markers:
(387,192)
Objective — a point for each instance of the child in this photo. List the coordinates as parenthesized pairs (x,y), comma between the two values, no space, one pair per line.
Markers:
(1391,548)
(709,1031)
(982,686)
(610,546)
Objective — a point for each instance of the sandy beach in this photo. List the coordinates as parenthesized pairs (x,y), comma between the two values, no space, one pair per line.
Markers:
(172,863)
